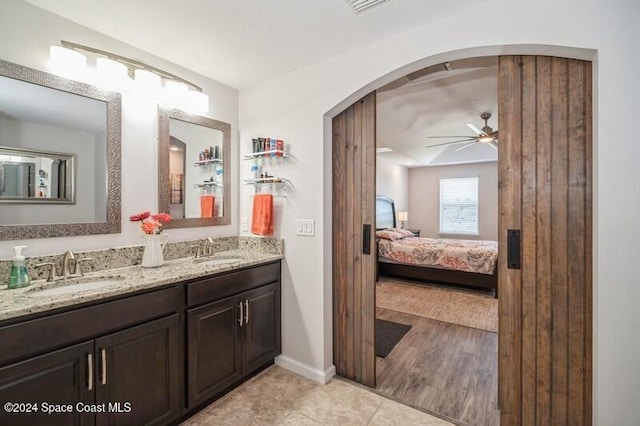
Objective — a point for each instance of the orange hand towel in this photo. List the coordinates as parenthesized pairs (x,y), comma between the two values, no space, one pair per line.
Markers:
(207,205)
(262,217)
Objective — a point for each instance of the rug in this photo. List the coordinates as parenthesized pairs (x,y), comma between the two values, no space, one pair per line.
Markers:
(457,306)
(388,334)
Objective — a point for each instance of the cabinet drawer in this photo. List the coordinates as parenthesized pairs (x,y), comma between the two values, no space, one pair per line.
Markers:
(221,286)
(38,335)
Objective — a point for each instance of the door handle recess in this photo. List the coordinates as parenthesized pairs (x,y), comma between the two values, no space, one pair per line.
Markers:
(89,371)
(366,238)
(513,248)
(241,314)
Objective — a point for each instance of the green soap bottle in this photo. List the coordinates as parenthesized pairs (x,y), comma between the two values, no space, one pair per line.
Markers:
(19,276)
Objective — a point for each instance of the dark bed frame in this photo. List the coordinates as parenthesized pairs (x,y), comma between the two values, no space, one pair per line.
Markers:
(433,275)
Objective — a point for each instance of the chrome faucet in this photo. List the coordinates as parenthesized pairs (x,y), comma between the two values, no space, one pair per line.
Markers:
(203,248)
(66,264)
(207,247)
(70,259)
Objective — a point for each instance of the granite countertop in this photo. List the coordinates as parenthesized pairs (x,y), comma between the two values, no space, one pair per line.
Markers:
(24,301)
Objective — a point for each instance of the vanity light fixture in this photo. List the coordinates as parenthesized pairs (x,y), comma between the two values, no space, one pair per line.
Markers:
(113,72)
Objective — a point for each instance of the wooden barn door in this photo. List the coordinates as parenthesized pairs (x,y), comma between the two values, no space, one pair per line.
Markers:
(354,251)
(545,374)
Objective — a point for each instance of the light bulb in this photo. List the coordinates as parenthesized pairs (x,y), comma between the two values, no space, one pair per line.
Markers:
(147,83)
(112,75)
(66,62)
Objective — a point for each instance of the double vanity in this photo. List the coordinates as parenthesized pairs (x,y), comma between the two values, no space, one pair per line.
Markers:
(113,342)
(137,345)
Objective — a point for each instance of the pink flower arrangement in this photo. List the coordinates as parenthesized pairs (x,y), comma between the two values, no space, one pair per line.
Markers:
(151,223)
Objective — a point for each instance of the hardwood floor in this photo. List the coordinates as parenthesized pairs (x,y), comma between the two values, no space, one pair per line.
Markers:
(443,368)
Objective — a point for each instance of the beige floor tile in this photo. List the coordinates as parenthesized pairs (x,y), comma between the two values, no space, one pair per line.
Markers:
(297,419)
(338,403)
(391,413)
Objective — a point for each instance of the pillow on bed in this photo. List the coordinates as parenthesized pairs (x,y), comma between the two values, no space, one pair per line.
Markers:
(389,234)
(403,232)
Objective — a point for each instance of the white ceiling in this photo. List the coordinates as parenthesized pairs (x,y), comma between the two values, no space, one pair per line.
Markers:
(243,42)
(436,102)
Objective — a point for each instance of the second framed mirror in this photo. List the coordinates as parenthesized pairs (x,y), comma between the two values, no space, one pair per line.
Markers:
(194,169)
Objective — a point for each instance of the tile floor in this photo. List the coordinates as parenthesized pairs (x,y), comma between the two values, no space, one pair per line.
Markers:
(280,397)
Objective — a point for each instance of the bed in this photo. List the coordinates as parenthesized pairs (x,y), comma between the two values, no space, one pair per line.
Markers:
(468,263)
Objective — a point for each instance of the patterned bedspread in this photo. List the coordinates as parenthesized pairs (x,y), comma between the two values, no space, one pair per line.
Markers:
(461,255)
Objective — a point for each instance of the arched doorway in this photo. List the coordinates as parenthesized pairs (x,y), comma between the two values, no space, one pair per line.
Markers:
(545,193)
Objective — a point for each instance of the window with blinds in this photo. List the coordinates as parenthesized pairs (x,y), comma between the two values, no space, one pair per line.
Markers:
(459,206)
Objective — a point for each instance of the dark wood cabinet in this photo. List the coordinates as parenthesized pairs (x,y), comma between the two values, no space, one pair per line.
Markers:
(61,377)
(137,374)
(129,357)
(261,329)
(215,353)
(230,338)
(126,371)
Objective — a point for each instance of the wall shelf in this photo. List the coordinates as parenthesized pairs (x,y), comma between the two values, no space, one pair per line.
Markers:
(207,162)
(277,185)
(277,153)
(207,185)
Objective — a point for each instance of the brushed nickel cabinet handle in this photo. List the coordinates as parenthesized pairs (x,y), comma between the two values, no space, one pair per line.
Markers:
(246,312)
(89,371)
(103,359)
(241,315)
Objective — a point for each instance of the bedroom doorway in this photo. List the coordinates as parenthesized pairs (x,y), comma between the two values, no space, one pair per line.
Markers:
(545,192)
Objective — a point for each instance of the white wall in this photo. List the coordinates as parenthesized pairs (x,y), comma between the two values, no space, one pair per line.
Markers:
(424,198)
(308,97)
(26,33)
(392,181)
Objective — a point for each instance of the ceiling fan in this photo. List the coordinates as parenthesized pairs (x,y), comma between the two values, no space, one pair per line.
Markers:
(487,135)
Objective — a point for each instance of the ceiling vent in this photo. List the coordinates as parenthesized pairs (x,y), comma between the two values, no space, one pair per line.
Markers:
(360,5)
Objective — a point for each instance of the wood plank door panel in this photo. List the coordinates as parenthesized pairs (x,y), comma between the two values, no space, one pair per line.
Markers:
(545,191)
(354,271)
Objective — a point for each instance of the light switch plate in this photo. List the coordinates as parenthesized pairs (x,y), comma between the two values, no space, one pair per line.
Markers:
(306,227)
(244,225)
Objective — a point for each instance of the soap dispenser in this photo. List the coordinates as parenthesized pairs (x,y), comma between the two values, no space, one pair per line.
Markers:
(19,276)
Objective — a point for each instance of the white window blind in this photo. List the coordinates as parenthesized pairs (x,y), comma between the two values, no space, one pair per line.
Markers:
(459,206)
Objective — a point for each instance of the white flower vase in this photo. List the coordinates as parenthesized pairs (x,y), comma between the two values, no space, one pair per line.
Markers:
(153,248)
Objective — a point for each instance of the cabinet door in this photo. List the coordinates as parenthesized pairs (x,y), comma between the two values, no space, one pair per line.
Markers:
(214,359)
(138,374)
(60,377)
(261,326)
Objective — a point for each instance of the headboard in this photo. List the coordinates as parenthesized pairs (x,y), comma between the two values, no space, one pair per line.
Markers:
(385,213)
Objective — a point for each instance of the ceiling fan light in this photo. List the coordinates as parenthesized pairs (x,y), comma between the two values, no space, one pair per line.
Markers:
(485,139)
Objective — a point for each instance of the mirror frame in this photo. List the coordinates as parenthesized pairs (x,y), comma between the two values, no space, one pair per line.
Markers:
(164,140)
(113,100)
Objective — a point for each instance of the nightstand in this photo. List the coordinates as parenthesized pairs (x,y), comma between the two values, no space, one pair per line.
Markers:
(416,232)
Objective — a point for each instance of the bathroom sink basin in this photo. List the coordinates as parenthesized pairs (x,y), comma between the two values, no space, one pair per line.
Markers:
(217,261)
(77,285)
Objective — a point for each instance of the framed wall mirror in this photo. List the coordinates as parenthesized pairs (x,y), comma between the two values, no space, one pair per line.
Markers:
(60,156)
(194,169)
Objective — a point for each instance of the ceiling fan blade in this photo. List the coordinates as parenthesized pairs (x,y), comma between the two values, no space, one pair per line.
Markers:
(466,146)
(475,129)
(449,143)
(450,137)
(493,144)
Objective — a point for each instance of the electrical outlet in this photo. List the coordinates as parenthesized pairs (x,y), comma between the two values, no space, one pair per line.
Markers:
(306,227)
(244,224)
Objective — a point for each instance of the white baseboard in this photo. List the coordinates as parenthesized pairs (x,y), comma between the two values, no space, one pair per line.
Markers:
(305,370)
